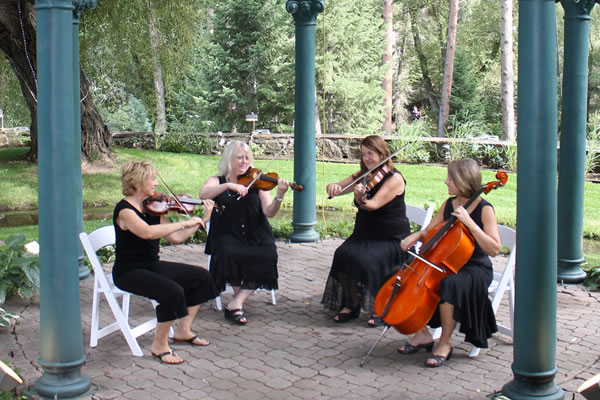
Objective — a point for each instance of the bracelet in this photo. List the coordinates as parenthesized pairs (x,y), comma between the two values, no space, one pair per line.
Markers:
(279,199)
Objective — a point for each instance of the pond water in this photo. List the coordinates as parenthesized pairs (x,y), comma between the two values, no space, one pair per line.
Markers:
(23,218)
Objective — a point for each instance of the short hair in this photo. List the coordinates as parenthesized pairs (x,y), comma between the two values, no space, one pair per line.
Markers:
(134,173)
(377,144)
(466,176)
(229,152)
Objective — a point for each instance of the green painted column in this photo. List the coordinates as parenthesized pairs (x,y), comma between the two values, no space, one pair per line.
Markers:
(305,211)
(572,141)
(61,341)
(534,364)
(84,271)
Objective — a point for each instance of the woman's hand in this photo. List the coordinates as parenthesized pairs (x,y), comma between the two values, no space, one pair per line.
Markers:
(333,189)
(359,193)
(282,187)
(193,222)
(463,216)
(410,241)
(239,189)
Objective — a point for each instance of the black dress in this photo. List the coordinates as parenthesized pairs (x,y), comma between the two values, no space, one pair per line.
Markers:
(371,254)
(241,243)
(468,290)
(138,270)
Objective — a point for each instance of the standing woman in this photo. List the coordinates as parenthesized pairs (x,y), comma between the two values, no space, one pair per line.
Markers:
(372,253)
(240,239)
(178,288)
(463,296)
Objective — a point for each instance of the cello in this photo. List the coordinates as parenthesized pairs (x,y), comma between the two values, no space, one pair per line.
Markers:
(409,298)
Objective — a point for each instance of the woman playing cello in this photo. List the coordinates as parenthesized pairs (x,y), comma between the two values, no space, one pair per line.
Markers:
(463,296)
(364,261)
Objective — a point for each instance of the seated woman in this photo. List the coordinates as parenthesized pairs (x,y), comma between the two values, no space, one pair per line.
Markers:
(178,288)
(463,296)
(366,259)
(240,240)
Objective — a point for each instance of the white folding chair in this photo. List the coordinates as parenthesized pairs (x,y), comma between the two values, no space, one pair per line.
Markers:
(103,284)
(419,216)
(501,283)
(228,288)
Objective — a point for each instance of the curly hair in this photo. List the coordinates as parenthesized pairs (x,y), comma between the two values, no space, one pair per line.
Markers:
(134,173)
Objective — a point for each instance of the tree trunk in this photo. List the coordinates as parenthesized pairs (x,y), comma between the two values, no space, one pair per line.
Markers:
(507,72)
(22,57)
(448,68)
(159,86)
(387,60)
(414,26)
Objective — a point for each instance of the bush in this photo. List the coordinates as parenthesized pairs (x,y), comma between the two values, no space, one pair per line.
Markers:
(19,270)
(187,142)
(412,150)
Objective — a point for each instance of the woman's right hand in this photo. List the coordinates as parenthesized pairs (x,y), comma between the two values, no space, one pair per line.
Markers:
(410,241)
(193,222)
(239,189)
(333,189)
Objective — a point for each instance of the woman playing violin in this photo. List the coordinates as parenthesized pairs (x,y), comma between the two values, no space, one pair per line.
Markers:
(463,296)
(240,239)
(364,261)
(178,288)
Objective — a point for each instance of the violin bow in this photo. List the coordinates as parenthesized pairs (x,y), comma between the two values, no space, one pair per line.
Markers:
(173,194)
(372,169)
(257,177)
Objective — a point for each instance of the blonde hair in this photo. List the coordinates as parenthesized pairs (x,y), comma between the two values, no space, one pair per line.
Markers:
(134,173)
(229,152)
(466,176)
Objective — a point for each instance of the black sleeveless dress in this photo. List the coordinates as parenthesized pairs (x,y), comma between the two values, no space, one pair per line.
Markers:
(241,243)
(138,270)
(371,254)
(468,290)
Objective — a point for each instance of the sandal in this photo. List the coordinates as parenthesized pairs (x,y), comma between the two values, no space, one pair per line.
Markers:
(191,341)
(167,353)
(345,317)
(410,349)
(437,361)
(374,321)
(236,315)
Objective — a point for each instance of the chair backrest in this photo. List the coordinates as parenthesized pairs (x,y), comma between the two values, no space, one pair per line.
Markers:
(504,281)
(96,240)
(419,216)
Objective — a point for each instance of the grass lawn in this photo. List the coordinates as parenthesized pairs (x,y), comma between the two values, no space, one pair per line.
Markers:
(186,173)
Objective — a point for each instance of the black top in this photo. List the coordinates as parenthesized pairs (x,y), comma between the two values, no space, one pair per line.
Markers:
(131,249)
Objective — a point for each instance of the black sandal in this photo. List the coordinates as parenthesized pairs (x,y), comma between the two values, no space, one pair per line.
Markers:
(374,321)
(236,315)
(345,317)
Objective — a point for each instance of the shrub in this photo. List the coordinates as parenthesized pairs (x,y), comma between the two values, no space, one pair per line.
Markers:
(592,155)
(412,150)
(187,142)
(19,270)
(7,318)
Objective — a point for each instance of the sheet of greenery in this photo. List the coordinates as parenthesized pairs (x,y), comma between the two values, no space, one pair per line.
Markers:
(186,173)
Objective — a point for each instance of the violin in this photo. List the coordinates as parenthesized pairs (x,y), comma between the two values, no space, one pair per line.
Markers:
(255,178)
(409,298)
(161,204)
(371,180)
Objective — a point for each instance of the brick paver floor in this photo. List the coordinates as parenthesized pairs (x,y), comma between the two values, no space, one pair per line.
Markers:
(293,350)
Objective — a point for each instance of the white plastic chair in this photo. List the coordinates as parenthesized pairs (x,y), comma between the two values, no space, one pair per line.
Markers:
(103,284)
(419,216)
(501,283)
(228,288)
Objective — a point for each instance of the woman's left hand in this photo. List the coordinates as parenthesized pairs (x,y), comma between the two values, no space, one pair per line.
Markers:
(282,187)
(463,216)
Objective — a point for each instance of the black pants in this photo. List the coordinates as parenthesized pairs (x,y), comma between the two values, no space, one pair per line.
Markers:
(174,286)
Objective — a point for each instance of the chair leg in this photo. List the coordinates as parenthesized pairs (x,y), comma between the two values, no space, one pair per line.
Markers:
(95,317)
(218,303)
(273,300)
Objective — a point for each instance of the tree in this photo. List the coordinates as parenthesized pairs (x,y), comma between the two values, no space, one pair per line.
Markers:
(507,71)
(448,68)
(388,20)
(18,44)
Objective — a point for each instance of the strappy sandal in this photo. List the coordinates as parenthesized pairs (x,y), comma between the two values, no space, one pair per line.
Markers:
(345,317)
(161,357)
(236,315)
(374,321)
(410,349)
(438,361)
